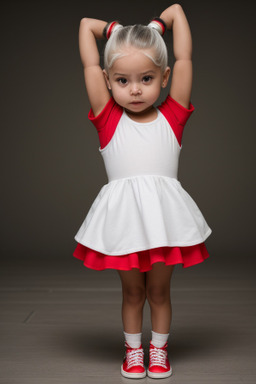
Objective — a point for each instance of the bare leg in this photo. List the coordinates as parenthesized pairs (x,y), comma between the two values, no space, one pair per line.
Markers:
(159,297)
(134,296)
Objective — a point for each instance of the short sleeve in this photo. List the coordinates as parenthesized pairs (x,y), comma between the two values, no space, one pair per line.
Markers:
(106,122)
(176,115)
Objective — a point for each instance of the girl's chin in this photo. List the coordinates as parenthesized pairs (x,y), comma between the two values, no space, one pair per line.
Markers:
(137,108)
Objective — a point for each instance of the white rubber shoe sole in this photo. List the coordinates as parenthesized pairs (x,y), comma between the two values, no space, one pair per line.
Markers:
(133,375)
(163,375)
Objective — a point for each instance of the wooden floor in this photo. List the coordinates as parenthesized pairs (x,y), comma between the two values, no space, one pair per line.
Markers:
(61,324)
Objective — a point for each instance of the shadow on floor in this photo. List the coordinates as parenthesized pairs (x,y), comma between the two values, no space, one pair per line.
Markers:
(189,342)
(204,342)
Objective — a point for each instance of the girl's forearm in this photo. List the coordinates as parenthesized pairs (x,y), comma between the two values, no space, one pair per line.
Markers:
(95,25)
(90,30)
(175,19)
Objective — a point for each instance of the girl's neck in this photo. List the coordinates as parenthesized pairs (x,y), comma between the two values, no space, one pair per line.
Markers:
(145,116)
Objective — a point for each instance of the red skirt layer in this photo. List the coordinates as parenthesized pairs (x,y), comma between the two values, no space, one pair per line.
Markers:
(143,260)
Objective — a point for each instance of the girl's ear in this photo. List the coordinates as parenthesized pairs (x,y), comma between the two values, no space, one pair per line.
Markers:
(166,76)
(106,78)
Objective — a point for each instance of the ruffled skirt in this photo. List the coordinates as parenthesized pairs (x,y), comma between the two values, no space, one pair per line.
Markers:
(143,260)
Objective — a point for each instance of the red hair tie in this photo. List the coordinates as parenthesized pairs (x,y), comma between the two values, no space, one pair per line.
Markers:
(110,27)
(158,24)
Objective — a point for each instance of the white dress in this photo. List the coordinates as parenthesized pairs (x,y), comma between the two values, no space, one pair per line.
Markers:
(143,205)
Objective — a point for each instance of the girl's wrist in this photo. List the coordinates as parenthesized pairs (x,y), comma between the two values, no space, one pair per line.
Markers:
(110,28)
(167,21)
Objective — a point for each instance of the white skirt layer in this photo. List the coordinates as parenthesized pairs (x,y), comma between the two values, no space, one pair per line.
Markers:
(142,212)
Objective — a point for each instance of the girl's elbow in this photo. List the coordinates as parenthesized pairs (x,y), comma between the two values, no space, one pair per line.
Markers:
(84,21)
(177,6)
(85,24)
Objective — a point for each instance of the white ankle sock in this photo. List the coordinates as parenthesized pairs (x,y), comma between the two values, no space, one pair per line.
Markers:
(159,339)
(133,339)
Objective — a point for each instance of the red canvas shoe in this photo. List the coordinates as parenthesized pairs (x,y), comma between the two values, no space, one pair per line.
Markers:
(159,366)
(133,364)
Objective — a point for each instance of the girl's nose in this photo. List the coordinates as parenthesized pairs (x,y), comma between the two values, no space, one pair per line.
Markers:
(135,90)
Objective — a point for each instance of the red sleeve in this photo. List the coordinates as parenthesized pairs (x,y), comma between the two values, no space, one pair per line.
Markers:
(176,115)
(106,122)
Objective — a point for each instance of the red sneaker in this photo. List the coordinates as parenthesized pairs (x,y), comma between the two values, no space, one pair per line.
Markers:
(159,366)
(133,364)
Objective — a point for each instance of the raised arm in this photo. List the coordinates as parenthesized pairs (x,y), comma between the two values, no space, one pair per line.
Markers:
(182,73)
(89,31)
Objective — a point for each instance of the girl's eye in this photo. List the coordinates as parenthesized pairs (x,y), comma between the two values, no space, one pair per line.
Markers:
(122,81)
(146,79)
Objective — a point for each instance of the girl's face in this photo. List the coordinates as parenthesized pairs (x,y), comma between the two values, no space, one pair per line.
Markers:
(135,80)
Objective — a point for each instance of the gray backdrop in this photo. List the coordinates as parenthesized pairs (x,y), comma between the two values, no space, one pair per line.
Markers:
(51,167)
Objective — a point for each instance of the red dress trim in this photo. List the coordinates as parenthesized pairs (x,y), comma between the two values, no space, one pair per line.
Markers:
(143,260)
(107,120)
(176,115)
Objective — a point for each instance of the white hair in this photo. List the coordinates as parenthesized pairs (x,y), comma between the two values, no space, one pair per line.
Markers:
(139,36)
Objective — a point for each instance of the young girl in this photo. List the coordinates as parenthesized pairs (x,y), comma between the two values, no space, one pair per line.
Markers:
(142,223)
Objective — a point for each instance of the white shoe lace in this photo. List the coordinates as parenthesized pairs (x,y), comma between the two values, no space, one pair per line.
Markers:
(135,357)
(158,357)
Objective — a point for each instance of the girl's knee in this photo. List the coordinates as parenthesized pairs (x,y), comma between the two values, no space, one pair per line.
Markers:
(134,295)
(158,295)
